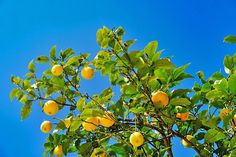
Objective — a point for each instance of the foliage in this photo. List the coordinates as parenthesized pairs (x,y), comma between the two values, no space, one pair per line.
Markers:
(138,74)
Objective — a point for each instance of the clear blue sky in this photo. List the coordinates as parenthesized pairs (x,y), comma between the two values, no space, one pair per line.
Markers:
(191,31)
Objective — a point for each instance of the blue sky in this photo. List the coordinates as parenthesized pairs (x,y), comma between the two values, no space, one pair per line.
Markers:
(191,31)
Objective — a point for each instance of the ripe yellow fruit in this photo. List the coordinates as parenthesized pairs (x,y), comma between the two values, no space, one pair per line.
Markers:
(46,126)
(87,73)
(50,108)
(224,112)
(67,122)
(160,97)
(136,139)
(91,123)
(182,116)
(98,152)
(57,70)
(58,151)
(107,120)
(185,143)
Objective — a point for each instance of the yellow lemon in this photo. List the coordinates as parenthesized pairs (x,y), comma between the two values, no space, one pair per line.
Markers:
(160,97)
(87,73)
(57,70)
(185,143)
(224,112)
(50,108)
(46,126)
(136,139)
(58,151)
(182,116)
(107,120)
(91,123)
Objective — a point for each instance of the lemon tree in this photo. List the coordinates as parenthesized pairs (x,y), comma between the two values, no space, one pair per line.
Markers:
(140,120)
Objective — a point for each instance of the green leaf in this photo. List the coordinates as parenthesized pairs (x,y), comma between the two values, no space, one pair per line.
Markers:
(164,63)
(177,72)
(72,60)
(80,104)
(67,53)
(206,87)
(213,135)
(213,94)
(212,122)
(201,76)
(151,48)
(53,53)
(120,31)
(221,85)
(99,36)
(13,93)
(31,66)
(180,102)
(91,113)
(25,111)
(75,124)
(230,39)
(228,63)
(58,82)
(161,74)
(233,142)
(85,149)
(129,90)
(42,59)
(232,83)
(137,110)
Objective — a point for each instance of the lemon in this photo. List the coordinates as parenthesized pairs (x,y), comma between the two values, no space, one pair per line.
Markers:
(160,97)
(136,139)
(91,123)
(46,126)
(87,73)
(57,70)
(50,108)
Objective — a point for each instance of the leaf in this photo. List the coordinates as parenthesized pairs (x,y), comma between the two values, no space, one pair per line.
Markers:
(53,53)
(13,93)
(80,104)
(25,111)
(212,122)
(129,90)
(151,48)
(180,92)
(72,60)
(213,94)
(177,72)
(42,59)
(75,124)
(201,76)
(67,53)
(31,66)
(180,102)
(99,36)
(161,74)
(230,39)
(213,135)
(229,62)
(85,149)
(137,110)
(233,142)
(232,83)
(91,113)
(164,63)
(206,87)
(221,85)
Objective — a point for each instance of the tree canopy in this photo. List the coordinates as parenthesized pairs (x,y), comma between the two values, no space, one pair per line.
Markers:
(144,117)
